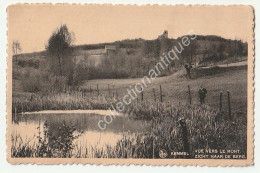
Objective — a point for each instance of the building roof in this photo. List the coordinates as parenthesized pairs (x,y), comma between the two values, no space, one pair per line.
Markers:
(110,47)
(94,51)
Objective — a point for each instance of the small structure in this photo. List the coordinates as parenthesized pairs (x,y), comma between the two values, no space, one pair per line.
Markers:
(164,35)
(110,48)
(93,57)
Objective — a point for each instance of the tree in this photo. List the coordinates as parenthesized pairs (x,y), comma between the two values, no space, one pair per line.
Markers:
(205,51)
(147,49)
(213,52)
(60,51)
(16,48)
(157,49)
(190,51)
(166,45)
(221,49)
(240,48)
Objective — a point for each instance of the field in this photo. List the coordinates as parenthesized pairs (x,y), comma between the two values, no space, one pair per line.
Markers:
(175,87)
(176,124)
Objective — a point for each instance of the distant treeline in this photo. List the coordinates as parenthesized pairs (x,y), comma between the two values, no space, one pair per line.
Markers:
(57,65)
(138,43)
(129,43)
(134,58)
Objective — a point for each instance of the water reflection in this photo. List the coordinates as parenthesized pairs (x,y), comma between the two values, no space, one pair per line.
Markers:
(29,126)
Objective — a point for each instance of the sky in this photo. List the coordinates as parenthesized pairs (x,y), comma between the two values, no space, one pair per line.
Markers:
(32,25)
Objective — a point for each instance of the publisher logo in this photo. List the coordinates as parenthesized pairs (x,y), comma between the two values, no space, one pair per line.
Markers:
(163,153)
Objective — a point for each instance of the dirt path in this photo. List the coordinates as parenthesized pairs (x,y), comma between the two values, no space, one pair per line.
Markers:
(242,63)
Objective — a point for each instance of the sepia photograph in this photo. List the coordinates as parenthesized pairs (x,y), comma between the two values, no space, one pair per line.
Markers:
(114,84)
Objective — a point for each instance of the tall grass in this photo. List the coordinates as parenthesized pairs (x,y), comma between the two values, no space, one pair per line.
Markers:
(206,127)
(60,101)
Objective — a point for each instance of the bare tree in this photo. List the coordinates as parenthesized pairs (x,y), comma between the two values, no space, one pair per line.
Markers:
(16,48)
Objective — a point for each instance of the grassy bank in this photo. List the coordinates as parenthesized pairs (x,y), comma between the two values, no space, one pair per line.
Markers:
(174,90)
(202,126)
(176,125)
(60,101)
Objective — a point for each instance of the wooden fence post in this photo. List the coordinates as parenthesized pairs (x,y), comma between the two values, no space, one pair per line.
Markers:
(189,94)
(184,135)
(229,105)
(161,96)
(113,91)
(154,95)
(15,114)
(220,101)
(97,90)
(227,62)
(108,90)
(153,146)
(85,92)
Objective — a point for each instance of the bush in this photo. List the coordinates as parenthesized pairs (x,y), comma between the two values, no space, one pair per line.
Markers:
(32,81)
(16,74)
(49,145)
(79,75)
(58,83)
(34,63)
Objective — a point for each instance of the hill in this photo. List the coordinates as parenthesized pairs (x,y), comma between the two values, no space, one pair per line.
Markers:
(132,58)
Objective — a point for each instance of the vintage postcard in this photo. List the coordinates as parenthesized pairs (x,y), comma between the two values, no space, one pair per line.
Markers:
(126,84)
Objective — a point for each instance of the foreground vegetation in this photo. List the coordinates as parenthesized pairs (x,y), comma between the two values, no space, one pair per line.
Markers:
(56,82)
(203,126)
(207,127)
(60,101)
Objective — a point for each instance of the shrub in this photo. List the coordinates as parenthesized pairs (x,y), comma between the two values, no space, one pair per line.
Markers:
(32,81)
(79,75)
(49,145)
(16,74)
(58,83)
(34,63)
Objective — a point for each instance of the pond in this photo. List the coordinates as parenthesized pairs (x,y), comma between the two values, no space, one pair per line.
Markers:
(28,126)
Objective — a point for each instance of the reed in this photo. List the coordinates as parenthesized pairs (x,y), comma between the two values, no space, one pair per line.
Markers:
(207,128)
